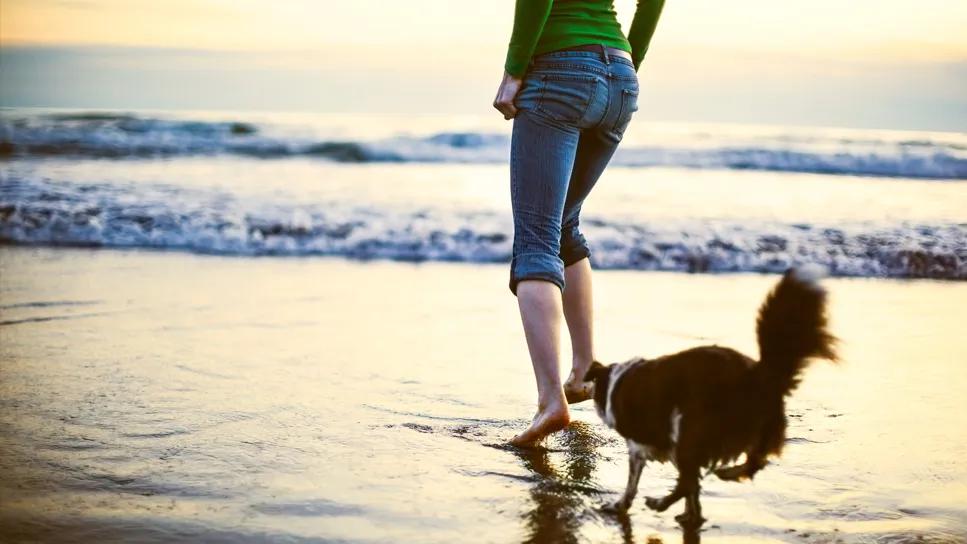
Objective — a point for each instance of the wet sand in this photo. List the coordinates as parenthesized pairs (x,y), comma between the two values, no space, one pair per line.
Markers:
(157,396)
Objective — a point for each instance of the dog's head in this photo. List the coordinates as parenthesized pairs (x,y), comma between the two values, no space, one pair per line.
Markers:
(600,376)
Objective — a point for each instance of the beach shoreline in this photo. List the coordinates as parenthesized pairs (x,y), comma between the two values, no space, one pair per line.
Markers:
(157,395)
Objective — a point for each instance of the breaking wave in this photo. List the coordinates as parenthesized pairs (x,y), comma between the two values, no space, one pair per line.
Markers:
(208,221)
(121,136)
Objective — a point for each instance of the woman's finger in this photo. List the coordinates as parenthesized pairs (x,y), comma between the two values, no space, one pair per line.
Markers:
(506,108)
(504,102)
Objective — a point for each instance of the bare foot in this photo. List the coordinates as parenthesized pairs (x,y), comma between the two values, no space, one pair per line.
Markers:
(577,391)
(548,420)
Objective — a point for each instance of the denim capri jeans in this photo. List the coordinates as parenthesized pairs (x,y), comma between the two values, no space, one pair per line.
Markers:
(573,109)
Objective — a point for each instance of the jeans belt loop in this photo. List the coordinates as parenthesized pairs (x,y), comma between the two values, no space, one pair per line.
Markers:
(604,53)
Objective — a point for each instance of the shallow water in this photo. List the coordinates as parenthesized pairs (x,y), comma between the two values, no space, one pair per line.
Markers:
(165,396)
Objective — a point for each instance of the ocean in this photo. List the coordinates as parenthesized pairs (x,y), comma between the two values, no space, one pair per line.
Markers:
(676,197)
(252,327)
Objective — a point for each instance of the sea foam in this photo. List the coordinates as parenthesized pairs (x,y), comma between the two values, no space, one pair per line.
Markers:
(207,221)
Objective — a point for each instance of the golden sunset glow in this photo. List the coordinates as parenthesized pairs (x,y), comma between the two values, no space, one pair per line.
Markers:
(882,30)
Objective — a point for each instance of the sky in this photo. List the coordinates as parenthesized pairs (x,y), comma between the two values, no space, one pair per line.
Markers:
(864,63)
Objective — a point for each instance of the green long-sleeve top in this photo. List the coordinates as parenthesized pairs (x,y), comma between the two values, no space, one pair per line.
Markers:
(546,25)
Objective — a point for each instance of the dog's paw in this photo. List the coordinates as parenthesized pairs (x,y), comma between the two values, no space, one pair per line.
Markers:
(732,474)
(616,507)
(689,521)
(655,504)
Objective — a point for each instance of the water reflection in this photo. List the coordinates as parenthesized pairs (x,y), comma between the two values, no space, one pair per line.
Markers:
(561,495)
(566,499)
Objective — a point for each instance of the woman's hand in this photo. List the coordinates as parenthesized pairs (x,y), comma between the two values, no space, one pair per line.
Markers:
(505,95)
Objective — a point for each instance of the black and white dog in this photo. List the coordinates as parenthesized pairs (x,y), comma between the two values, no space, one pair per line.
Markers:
(704,407)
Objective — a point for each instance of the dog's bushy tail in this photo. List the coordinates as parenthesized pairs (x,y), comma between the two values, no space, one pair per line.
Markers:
(791,329)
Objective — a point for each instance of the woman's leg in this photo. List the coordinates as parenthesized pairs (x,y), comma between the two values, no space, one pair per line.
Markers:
(594,151)
(578,312)
(542,157)
(555,160)
(540,312)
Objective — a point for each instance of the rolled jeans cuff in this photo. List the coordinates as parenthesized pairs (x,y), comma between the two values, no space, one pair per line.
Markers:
(536,266)
(574,251)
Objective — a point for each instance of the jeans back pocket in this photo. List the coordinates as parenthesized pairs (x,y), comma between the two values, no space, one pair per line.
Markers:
(567,97)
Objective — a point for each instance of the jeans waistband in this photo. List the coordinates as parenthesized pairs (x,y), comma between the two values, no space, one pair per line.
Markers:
(552,55)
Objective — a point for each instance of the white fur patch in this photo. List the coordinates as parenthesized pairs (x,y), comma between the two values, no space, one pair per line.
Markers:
(809,274)
(641,451)
(616,371)
(676,423)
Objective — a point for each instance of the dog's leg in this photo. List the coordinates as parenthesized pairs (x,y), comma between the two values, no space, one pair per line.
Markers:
(692,517)
(682,456)
(770,443)
(677,493)
(748,469)
(737,473)
(756,459)
(636,462)
(689,459)
(662,504)
(733,473)
(688,482)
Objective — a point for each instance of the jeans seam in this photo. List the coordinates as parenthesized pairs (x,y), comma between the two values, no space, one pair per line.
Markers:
(622,107)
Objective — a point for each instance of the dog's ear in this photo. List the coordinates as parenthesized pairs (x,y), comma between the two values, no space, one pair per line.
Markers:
(595,371)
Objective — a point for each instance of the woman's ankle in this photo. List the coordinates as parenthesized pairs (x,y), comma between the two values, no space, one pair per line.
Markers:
(552,401)
(578,370)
